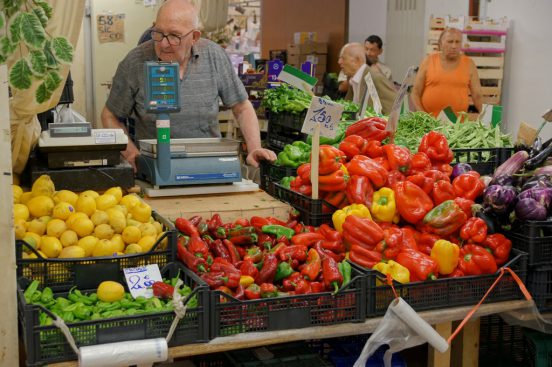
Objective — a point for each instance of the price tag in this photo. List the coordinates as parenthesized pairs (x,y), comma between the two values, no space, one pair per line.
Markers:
(324,112)
(140,280)
(297,78)
(395,110)
(372,93)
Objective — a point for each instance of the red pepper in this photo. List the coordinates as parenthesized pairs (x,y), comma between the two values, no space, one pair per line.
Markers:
(268,290)
(195,220)
(371,128)
(258,222)
(420,163)
(304,172)
(162,290)
(198,247)
(364,166)
(409,238)
(334,198)
(359,190)
(468,185)
(398,157)
(423,182)
(437,175)
(374,149)
(445,168)
(465,205)
(232,251)
(361,231)
(254,254)
(184,226)
(241,222)
(364,257)
(248,268)
(299,186)
(253,291)
(335,246)
(442,191)
(313,264)
(225,290)
(194,263)
(268,271)
(272,220)
(334,181)
(296,252)
(353,145)
(382,161)
(214,223)
(421,266)
(499,246)
(289,283)
(391,243)
(445,219)
(393,177)
(220,264)
(245,239)
(306,238)
(329,233)
(277,250)
(330,159)
(214,279)
(475,260)
(425,242)
(457,273)
(240,231)
(302,287)
(317,287)
(412,202)
(331,274)
(474,230)
(220,250)
(324,252)
(435,145)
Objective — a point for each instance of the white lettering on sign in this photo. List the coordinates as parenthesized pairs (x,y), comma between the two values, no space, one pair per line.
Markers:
(324,112)
(139,280)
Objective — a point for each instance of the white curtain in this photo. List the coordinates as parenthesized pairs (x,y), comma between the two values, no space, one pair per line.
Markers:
(213,14)
(25,128)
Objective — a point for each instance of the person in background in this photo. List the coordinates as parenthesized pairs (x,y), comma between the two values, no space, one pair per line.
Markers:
(446,78)
(352,61)
(206,75)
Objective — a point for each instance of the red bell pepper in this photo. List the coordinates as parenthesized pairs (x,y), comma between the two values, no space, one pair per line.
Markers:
(382,161)
(232,251)
(241,222)
(420,163)
(435,145)
(474,230)
(330,159)
(476,260)
(223,265)
(184,226)
(324,252)
(361,231)
(289,283)
(445,168)
(398,157)
(364,166)
(299,186)
(268,271)
(371,128)
(331,274)
(313,265)
(253,291)
(466,206)
(437,175)
(302,287)
(220,250)
(248,268)
(423,182)
(329,233)
(258,222)
(359,190)
(214,223)
(445,219)
(334,181)
(306,238)
(391,243)
(334,198)
(394,177)
(409,238)
(364,257)
(162,290)
(194,263)
(442,191)
(198,247)
(353,145)
(317,287)
(304,172)
(499,246)
(421,266)
(425,241)
(412,202)
(268,290)
(457,273)
(335,246)
(216,279)
(468,185)
(254,254)
(374,149)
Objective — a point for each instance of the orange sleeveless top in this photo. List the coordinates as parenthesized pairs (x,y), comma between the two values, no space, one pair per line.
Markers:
(446,88)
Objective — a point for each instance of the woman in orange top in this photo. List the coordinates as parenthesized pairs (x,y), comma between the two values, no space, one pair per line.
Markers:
(447,78)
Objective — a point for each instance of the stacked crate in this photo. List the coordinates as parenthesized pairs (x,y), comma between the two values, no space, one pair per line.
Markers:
(308,49)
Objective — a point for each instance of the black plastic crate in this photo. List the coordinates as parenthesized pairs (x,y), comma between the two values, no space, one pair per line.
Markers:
(287,119)
(296,354)
(312,212)
(279,136)
(272,173)
(482,160)
(211,360)
(447,292)
(500,344)
(538,347)
(535,238)
(47,344)
(539,283)
(88,272)
(231,316)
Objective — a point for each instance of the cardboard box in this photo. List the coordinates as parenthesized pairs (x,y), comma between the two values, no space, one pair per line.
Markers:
(317,59)
(302,37)
(307,48)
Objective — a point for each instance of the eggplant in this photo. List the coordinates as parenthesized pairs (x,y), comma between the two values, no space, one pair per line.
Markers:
(502,180)
(536,147)
(530,209)
(542,195)
(459,169)
(512,164)
(538,181)
(539,158)
(544,170)
(500,198)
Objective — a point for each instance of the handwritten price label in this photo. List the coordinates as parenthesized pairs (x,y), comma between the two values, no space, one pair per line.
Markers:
(324,112)
(140,280)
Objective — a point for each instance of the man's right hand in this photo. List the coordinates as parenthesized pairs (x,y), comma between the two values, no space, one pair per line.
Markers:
(130,154)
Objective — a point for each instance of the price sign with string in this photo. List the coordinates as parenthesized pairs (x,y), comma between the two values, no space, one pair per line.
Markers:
(140,279)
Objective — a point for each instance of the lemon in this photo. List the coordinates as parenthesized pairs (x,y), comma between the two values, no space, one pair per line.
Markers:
(117,220)
(86,204)
(17,192)
(99,217)
(148,229)
(66,196)
(20,228)
(51,246)
(115,191)
(131,234)
(20,211)
(133,248)
(55,228)
(164,243)
(129,200)
(123,209)
(118,243)
(43,186)
(158,226)
(32,255)
(104,247)
(63,210)
(83,227)
(32,239)
(74,217)
(40,206)
(88,243)
(90,193)
(71,252)
(105,201)
(109,291)
(36,226)
(25,197)
(104,231)
(132,222)
(141,212)
(146,243)
(69,238)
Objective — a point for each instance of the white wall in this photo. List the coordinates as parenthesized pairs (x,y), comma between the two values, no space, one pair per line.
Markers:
(367,17)
(527,89)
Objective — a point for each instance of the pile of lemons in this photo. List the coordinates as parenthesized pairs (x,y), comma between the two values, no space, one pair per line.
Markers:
(64,224)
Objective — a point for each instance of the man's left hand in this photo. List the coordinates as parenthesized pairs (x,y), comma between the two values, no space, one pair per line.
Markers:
(258,155)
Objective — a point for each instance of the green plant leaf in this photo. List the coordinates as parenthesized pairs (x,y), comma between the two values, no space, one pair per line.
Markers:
(46,7)
(41,15)
(2,20)
(63,50)
(6,47)
(20,75)
(15,28)
(42,93)
(12,6)
(52,80)
(37,60)
(51,61)
(32,31)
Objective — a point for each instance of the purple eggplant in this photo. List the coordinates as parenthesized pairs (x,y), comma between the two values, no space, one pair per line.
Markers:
(460,168)
(538,181)
(542,195)
(502,180)
(545,170)
(530,209)
(500,198)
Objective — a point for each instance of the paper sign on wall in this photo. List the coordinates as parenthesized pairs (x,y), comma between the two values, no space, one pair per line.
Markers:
(140,280)
(372,93)
(324,112)
(111,27)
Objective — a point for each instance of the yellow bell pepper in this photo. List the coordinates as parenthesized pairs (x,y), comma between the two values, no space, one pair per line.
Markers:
(396,270)
(359,210)
(246,280)
(383,205)
(446,254)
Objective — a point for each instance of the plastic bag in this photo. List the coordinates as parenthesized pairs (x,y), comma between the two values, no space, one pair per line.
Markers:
(401,328)
(528,317)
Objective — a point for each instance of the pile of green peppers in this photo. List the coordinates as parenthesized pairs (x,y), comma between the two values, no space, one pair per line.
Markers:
(77,306)
(294,155)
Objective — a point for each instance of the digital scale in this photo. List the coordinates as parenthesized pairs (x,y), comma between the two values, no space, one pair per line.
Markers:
(178,162)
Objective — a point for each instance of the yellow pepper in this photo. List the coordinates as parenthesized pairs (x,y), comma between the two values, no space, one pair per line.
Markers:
(246,280)
(383,205)
(359,210)
(396,270)
(446,254)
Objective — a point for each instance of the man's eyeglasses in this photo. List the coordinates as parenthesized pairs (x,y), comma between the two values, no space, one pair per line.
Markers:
(173,39)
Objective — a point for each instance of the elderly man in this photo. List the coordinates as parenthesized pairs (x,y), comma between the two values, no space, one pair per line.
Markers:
(206,75)
(352,61)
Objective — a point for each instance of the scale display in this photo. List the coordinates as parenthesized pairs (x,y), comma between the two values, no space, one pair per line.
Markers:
(162,87)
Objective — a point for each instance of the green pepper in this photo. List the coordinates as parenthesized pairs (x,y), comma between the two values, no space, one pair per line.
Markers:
(83,312)
(35,297)
(95,316)
(108,306)
(286,181)
(73,307)
(278,230)
(345,268)
(30,291)
(62,302)
(132,311)
(125,303)
(44,319)
(112,313)
(284,270)
(68,316)
(192,302)
(141,300)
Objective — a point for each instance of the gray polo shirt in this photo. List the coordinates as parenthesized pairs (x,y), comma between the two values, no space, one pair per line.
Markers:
(209,75)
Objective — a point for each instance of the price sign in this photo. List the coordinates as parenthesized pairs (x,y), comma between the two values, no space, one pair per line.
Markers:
(140,280)
(372,93)
(324,112)
(297,78)
(111,27)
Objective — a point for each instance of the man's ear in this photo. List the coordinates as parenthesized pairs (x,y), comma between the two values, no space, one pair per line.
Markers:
(196,35)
